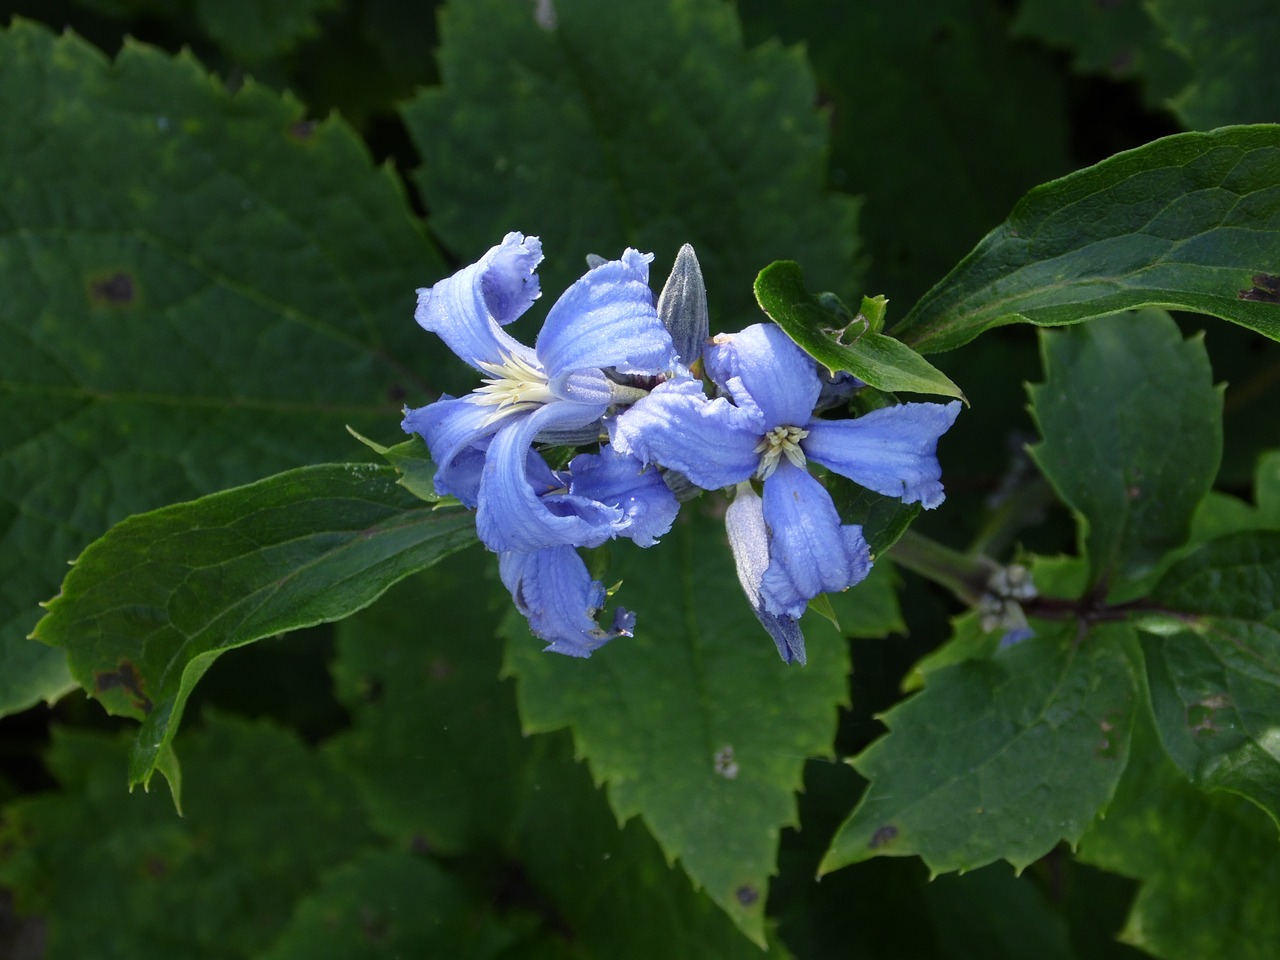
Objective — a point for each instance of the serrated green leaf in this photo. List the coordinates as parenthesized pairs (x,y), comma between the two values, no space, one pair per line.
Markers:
(1115,391)
(1207,864)
(666,131)
(254,30)
(695,723)
(392,904)
(1119,39)
(1189,222)
(148,607)
(437,752)
(1213,666)
(998,758)
(114,872)
(1232,57)
(210,300)
(879,361)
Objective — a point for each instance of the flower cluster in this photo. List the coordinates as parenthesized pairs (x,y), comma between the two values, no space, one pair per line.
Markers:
(612,370)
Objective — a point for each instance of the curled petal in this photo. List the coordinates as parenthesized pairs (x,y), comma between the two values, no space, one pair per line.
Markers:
(749,539)
(457,431)
(554,591)
(711,442)
(513,515)
(764,364)
(892,450)
(648,506)
(607,319)
(467,310)
(810,552)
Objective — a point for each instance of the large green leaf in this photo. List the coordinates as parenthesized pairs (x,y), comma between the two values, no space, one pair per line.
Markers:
(879,361)
(1232,55)
(392,904)
(437,752)
(998,758)
(1115,392)
(1213,665)
(252,30)
(201,289)
(1190,222)
(146,609)
(650,129)
(1208,864)
(120,874)
(695,723)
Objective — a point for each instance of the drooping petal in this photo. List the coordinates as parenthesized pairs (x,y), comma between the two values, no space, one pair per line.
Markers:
(467,310)
(648,506)
(892,450)
(555,592)
(765,364)
(711,442)
(607,319)
(749,540)
(810,552)
(456,430)
(513,515)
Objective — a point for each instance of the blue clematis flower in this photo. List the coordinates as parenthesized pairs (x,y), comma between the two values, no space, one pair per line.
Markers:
(551,586)
(482,442)
(763,428)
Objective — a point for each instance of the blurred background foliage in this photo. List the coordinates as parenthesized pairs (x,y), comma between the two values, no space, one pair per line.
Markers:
(366,789)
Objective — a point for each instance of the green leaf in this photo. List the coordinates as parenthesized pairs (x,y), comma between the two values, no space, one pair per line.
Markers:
(147,608)
(870,608)
(649,130)
(1234,79)
(391,904)
(1208,864)
(210,300)
(1189,222)
(1213,666)
(254,30)
(412,461)
(1114,393)
(695,723)
(879,361)
(115,873)
(998,758)
(437,752)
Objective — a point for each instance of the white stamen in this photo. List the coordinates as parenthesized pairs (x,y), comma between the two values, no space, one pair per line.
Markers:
(515,387)
(778,443)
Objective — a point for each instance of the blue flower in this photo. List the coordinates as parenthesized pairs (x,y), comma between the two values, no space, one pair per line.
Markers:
(551,586)
(793,547)
(482,443)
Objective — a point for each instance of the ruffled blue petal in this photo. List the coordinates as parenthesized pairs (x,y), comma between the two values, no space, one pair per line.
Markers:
(512,515)
(810,552)
(456,430)
(554,591)
(749,539)
(892,450)
(467,309)
(711,442)
(765,364)
(607,319)
(648,506)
